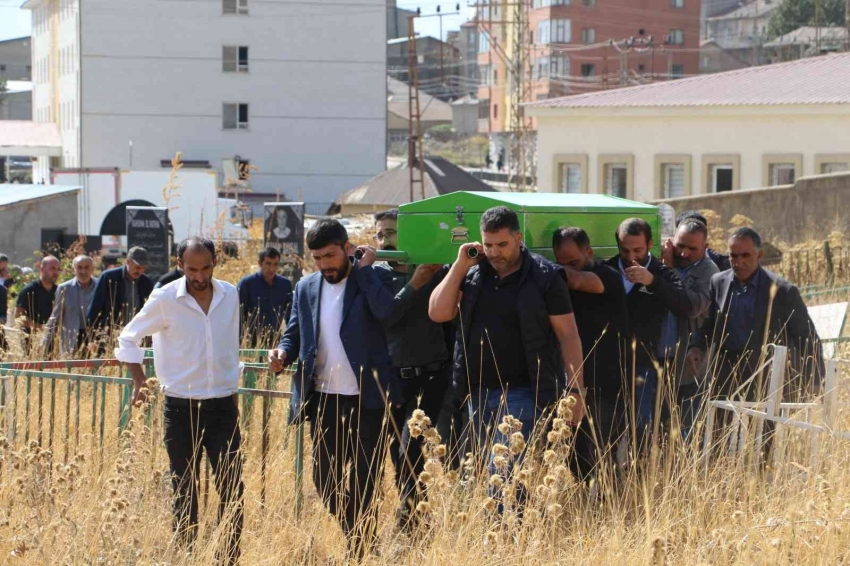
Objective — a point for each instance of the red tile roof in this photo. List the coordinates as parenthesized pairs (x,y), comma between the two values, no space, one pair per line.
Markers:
(817,80)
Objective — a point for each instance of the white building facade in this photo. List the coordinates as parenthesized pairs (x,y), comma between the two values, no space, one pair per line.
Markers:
(756,127)
(295,89)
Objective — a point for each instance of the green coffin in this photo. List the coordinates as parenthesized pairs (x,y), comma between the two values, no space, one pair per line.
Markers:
(432,230)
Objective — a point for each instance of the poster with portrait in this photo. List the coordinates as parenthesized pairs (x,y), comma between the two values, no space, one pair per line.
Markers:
(283,229)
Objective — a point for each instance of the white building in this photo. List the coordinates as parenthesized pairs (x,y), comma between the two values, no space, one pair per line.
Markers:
(296,89)
(755,127)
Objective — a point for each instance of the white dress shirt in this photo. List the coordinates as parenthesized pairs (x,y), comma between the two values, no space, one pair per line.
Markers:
(333,370)
(196,355)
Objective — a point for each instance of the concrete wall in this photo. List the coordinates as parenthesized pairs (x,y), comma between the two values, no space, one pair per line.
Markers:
(808,210)
(748,132)
(15,59)
(21,224)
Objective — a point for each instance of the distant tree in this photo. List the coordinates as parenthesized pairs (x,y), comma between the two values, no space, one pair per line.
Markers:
(793,14)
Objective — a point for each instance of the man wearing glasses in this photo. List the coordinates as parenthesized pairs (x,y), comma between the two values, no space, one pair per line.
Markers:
(418,348)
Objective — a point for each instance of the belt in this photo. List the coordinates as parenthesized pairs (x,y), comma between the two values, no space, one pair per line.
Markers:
(418,371)
(229,401)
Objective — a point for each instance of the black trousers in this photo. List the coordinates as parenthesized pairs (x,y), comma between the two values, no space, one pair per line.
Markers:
(211,424)
(425,392)
(597,437)
(343,434)
(453,426)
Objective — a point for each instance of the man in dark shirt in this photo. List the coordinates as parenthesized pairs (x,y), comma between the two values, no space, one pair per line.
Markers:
(169,277)
(35,303)
(720,260)
(5,277)
(517,341)
(4,307)
(264,301)
(652,290)
(599,305)
(418,348)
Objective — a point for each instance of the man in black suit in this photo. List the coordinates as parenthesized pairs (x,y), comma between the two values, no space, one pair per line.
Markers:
(120,294)
(752,307)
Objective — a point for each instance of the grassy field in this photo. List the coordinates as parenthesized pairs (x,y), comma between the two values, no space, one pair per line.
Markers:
(79,498)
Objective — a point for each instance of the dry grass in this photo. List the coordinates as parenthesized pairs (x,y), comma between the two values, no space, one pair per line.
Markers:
(79,504)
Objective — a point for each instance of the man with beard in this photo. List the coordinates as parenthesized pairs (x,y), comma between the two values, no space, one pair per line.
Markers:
(195,327)
(599,305)
(35,302)
(719,259)
(418,349)
(518,349)
(69,311)
(344,377)
(686,254)
(652,290)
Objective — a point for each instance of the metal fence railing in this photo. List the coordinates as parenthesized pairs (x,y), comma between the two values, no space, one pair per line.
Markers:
(47,401)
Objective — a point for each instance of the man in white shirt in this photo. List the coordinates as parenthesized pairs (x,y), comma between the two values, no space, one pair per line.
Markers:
(194,322)
(344,376)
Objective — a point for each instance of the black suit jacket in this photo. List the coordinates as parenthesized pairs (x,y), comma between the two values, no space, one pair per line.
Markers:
(789,323)
(107,304)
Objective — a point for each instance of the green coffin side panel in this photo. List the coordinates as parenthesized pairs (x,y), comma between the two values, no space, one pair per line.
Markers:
(432,230)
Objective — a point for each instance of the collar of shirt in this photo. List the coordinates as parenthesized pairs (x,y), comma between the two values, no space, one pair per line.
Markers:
(626,283)
(753,283)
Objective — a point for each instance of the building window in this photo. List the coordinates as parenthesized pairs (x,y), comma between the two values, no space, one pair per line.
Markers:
(543,31)
(588,3)
(677,37)
(495,111)
(588,69)
(561,31)
(483,108)
(236,7)
(722,175)
(673,176)
(235,116)
(833,167)
(677,71)
(641,68)
(559,66)
(541,69)
(781,169)
(235,59)
(495,77)
(483,42)
(588,35)
(570,178)
(677,3)
(616,179)
(781,174)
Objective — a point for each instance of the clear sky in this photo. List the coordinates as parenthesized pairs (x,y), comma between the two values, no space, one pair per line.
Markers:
(15,22)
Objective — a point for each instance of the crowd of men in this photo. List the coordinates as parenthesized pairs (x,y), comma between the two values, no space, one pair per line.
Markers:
(498,338)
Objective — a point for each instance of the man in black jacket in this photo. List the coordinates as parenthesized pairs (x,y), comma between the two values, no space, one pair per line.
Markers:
(743,319)
(599,305)
(652,291)
(517,339)
(120,294)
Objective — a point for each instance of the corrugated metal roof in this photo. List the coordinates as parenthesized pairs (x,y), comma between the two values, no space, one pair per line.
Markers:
(808,35)
(392,188)
(431,109)
(13,194)
(817,80)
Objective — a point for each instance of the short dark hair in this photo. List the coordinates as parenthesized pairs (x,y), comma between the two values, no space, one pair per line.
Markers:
(268,252)
(570,234)
(693,226)
(747,232)
(499,218)
(391,214)
(326,232)
(634,227)
(4,257)
(691,214)
(194,244)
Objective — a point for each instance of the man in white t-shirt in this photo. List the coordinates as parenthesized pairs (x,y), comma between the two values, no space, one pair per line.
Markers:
(345,377)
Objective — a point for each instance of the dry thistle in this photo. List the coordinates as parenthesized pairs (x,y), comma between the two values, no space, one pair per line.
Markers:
(423,507)
(501,463)
(497,481)
(504,428)
(659,552)
(439,451)
(500,450)
(490,505)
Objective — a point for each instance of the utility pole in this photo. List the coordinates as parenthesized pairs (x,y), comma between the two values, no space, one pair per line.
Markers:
(847,24)
(522,146)
(415,161)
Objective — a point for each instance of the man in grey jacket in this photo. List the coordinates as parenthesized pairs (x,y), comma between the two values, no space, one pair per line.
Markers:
(686,254)
(68,319)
